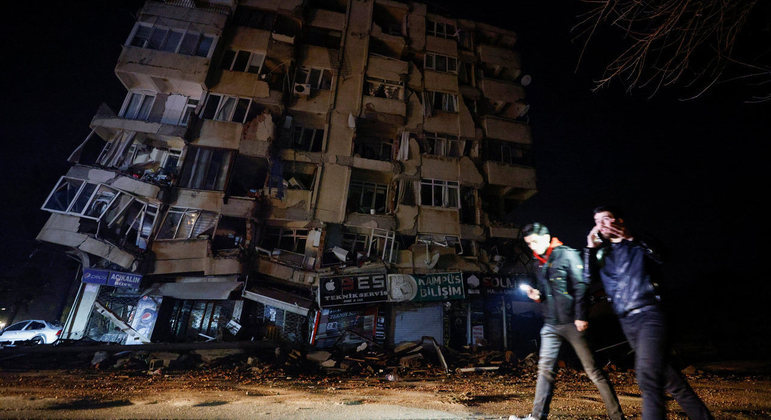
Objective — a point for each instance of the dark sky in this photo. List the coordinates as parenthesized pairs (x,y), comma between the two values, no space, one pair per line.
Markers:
(688,173)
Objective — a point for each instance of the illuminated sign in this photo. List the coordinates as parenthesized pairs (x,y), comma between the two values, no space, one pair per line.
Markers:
(111,278)
(352,289)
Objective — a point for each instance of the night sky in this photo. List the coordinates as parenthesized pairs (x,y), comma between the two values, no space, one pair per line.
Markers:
(689,173)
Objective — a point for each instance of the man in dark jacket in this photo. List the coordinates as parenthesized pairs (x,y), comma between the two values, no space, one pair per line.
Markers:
(561,290)
(627,269)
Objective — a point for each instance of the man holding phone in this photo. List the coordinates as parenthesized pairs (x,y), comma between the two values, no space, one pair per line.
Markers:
(627,268)
(561,289)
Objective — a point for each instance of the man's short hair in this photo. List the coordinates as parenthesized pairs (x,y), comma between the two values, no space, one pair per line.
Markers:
(535,229)
(615,211)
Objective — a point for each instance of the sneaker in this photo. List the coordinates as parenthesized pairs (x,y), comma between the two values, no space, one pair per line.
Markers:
(527,417)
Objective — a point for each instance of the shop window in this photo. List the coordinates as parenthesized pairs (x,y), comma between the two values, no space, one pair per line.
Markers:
(196,320)
(182,223)
(438,193)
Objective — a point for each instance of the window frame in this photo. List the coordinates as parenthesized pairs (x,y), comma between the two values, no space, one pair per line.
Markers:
(432,29)
(445,188)
(146,43)
(87,205)
(185,211)
(368,187)
(249,61)
(315,84)
(434,63)
(231,113)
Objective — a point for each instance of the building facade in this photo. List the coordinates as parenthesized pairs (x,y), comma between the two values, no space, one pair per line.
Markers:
(312,170)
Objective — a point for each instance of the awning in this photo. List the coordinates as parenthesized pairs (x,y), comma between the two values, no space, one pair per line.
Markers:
(204,290)
(279,299)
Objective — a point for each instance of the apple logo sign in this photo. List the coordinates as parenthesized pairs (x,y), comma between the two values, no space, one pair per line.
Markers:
(330,286)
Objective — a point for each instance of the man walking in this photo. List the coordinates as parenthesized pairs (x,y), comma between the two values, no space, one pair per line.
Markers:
(627,269)
(561,290)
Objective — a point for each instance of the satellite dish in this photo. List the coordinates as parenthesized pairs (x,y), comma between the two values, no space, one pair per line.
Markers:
(526,80)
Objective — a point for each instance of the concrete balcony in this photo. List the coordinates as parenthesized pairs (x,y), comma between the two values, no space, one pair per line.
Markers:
(438,220)
(107,124)
(198,199)
(392,111)
(326,19)
(238,83)
(294,205)
(499,57)
(161,71)
(501,91)
(116,180)
(62,229)
(513,177)
(317,102)
(507,130)
(219,134)
(190,256)
(274,269)
(444,46)
(386,68)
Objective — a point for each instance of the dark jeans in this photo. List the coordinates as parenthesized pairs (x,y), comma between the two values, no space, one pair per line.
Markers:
(551,340)
(647,334)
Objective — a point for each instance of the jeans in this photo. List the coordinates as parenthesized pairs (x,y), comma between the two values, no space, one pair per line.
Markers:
(646,332)
(551,340)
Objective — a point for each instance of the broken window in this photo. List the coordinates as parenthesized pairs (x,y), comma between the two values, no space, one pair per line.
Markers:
(292,240)
(172,40)
(230,233)
(406,193)
(130,222)
(205,169)
(352,243)
(230,108)
(508,152)
(374,148)
(438,193)
(80,198)
(184,223)
(439,101)
(468,211)
(367,197)
(441,63)
(444,241)
(298,137)
(315,78)
(197,319)
(243,61)
(177,109)
(440,29)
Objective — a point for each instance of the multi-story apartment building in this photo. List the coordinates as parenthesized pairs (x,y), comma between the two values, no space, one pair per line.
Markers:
(303,169)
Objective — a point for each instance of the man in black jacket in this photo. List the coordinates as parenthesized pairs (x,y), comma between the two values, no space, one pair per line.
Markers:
(627,268)
(561,290)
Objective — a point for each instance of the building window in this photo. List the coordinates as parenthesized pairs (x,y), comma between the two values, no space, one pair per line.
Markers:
(440,29)
(230,108)
(181,223)
(171,40)
(80,198)
(308,139)
(441,63)
(443,145)
(380,88)
(373,148)
(438,193)
(366,197)
(315,77)
(243,61)
(130,222)
(137,106)
(507,152)
(439,101)
(205,169)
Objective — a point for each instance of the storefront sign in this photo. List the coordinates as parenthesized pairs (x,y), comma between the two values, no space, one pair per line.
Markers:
(352,289)
(478,283)
(439,287)
(111,278)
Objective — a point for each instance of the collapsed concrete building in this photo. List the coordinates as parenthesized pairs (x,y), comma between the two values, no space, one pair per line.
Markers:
(302,170)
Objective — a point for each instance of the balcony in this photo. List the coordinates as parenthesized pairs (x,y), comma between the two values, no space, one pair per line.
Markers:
(501,91)
(161,71)
(190,256)
(507,130)
(219,134)
(115,179)
(511,177)
(107,125)
(494,56)
(326,19)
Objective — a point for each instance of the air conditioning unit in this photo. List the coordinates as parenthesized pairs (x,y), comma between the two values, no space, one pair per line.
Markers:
(302,89)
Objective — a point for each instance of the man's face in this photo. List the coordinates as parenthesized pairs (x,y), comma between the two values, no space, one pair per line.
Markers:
(604,220)
(538,243)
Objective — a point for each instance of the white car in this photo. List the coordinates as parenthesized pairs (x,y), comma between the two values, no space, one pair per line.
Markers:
(33,330)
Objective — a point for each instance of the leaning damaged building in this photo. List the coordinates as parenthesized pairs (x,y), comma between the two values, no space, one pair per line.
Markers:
(314,171)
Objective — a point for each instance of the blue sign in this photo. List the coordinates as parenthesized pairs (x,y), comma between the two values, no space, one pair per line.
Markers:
(111,278)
